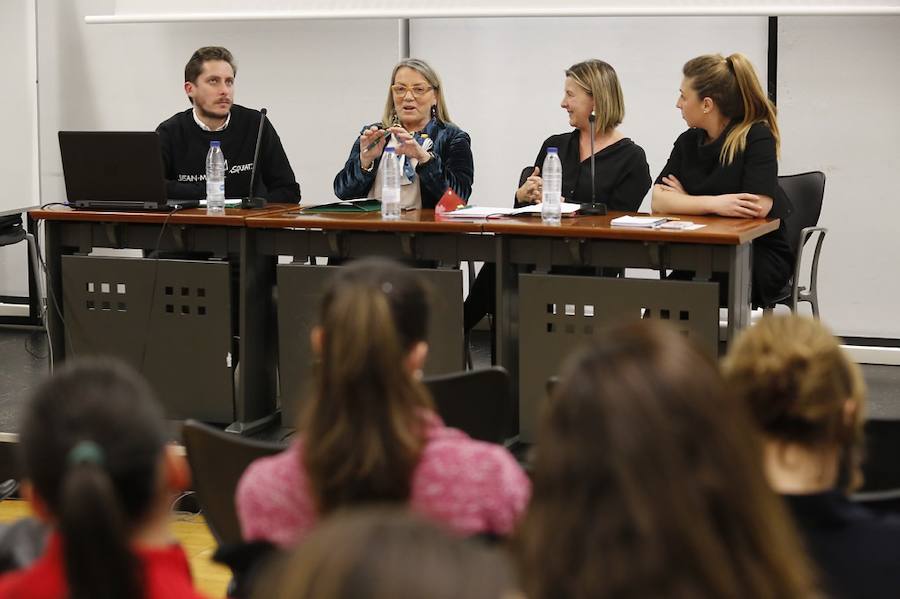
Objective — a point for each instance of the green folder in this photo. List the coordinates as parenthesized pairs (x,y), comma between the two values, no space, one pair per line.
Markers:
(346,206)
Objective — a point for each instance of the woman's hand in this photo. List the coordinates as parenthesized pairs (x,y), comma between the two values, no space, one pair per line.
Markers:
(367,156)
(408,146)
(741,205)
(532,191)
(671,183)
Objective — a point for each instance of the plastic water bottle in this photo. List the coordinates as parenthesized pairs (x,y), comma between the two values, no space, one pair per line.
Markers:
(215,179)
(552,175)
(390,187)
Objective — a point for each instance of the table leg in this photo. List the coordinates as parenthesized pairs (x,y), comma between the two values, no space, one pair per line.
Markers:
(256,384)
(738,291)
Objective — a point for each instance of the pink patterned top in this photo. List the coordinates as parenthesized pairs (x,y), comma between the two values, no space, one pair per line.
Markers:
(471,486)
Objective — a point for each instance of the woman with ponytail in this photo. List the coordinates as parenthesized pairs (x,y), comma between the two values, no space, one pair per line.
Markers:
(369,433)
(94,451)
(727,162)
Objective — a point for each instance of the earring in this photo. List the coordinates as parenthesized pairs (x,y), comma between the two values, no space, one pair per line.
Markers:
(433,110)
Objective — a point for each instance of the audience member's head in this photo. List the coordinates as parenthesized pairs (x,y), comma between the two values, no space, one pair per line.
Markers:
(806,397)
(387,554)
(648,483)
(93,444)
(363,428)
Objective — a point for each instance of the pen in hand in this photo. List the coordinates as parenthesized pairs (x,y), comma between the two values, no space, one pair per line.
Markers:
(378,140)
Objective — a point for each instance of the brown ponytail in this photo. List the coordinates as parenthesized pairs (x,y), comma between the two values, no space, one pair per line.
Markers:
(733,85)
(363,429)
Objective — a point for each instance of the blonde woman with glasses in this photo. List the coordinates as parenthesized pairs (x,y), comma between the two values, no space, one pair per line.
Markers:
(435,154)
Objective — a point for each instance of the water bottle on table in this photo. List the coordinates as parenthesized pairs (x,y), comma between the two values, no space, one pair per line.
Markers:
(552,196)
(215,179)
(390,188)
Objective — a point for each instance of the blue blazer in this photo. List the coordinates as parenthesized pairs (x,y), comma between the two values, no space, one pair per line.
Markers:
(452,166)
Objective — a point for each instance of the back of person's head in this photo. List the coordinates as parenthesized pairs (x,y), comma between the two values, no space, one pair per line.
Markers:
(800,387)
(387,554)
(363,428)
(599,79)
(648,482)
(194,65)
(732,84)
(92,441)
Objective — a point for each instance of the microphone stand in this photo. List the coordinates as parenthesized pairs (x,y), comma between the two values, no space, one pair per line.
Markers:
(594,208)
(251,201)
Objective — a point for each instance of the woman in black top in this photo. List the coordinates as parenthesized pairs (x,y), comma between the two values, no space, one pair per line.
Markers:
(808,400)
(622,176)
(726,163)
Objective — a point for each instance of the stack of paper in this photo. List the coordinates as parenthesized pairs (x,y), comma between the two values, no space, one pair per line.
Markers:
(648,222)
(566,209)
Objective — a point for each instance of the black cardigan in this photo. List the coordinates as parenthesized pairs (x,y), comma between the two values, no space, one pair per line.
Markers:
(622,174)
(755,170)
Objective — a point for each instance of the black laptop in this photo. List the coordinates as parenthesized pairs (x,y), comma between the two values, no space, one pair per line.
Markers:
(115,170)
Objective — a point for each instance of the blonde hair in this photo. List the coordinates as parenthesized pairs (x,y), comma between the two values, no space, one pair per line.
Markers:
(792,374)
(423,68)
(599,80)
(733,85)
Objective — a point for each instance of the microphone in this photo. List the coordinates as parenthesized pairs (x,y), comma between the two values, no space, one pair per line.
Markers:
(251,201)
(593,209)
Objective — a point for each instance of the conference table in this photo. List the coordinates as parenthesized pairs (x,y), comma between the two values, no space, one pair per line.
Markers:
(188,321)
(543,311)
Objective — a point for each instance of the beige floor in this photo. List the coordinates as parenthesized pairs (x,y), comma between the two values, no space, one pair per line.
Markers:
(190,530)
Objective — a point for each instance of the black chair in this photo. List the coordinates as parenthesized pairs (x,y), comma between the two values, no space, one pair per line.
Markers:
(217,461)
(476,401)
(805,191)
(12,232)
(881,468)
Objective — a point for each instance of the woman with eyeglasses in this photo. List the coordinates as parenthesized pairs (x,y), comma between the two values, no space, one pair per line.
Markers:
(435,154)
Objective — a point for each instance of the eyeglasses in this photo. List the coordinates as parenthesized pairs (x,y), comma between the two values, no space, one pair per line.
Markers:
(417,90)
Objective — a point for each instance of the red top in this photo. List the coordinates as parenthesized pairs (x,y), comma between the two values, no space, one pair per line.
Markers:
(166,571)
(469,486)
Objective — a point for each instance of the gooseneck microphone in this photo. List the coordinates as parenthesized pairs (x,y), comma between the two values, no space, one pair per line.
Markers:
(594,208)
(251,201)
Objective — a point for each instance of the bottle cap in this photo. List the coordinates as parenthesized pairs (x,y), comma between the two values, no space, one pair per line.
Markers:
(214,144)
(389,150)
(552,150)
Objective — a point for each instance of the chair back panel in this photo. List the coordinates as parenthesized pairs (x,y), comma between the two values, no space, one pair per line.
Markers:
(218,459)
(805,191)
(476,401)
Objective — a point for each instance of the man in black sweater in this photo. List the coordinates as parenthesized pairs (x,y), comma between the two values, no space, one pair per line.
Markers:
(209,84)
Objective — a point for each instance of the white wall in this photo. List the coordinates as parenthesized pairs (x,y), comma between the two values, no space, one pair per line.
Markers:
(322,79)
(17,158)
(838,90)
(504,79)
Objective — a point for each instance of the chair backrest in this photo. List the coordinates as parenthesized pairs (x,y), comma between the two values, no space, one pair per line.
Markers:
(11,230)
(805,191)
(217,461)
(476,402)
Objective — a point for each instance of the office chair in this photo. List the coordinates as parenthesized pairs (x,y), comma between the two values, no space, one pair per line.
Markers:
(475,401)
(218,459)
(805,191)
(12,232)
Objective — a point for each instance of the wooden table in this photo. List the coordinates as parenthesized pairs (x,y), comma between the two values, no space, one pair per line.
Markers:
(541,314)
(528,345)
(170,318)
